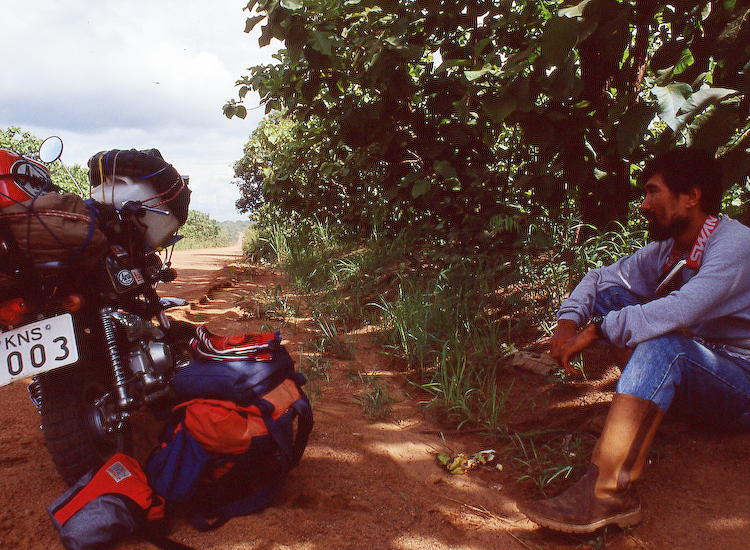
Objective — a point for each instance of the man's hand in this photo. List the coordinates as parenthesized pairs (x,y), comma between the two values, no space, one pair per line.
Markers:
(564,333)
(580,342)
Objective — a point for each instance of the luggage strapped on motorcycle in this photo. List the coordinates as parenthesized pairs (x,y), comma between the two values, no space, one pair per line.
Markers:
(228,448)
(38,224)
(147,165)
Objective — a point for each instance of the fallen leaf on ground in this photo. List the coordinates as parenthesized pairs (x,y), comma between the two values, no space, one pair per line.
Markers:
(461,463)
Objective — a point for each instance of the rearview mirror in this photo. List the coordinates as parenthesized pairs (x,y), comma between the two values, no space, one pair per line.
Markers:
(50,149)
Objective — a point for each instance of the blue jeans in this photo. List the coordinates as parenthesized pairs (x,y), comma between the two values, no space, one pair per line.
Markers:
(677,372)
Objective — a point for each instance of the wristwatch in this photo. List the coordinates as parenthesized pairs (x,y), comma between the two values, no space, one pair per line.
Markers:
(597,321)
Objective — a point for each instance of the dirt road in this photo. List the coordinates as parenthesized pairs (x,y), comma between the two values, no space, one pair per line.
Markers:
(360,485)
(375,485)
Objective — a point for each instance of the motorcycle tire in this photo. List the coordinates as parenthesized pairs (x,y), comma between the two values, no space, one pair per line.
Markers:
(67,407)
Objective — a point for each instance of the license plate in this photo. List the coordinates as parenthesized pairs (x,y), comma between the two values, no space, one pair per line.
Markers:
(37,347)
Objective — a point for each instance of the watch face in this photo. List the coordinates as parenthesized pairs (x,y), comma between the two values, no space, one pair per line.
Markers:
(597,321)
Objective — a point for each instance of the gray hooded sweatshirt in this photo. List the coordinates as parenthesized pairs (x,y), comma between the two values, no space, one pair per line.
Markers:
(712,304)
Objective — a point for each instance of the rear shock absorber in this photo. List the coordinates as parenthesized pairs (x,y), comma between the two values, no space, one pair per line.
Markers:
(35,393)
(110,340)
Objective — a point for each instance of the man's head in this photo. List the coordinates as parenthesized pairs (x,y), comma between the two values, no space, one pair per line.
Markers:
(681,186)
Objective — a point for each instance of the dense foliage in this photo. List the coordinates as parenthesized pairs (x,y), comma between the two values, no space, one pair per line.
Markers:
(463,115)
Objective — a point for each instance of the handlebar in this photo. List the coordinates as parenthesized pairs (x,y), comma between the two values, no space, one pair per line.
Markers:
(135,207)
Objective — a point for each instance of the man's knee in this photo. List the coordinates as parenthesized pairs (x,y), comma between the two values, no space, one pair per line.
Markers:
(614,298)
(652,364)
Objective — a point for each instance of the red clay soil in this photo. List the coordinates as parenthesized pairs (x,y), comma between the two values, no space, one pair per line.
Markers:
(375,484)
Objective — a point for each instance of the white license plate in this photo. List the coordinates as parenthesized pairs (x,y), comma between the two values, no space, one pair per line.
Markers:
(37,347)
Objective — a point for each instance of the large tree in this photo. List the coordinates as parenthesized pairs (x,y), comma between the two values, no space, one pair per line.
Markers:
(457,113)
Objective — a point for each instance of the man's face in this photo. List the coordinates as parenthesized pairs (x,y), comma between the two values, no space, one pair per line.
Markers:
(665,211)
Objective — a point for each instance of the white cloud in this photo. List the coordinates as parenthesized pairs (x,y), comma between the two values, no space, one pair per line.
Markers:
(142,74)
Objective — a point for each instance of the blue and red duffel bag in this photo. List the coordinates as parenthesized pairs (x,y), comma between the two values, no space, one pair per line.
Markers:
(242,426)
(105,505)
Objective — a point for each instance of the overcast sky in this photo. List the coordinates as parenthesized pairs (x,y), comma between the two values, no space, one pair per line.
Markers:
(138,74)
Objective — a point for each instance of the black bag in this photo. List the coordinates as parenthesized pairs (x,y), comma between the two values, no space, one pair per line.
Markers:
(144,165)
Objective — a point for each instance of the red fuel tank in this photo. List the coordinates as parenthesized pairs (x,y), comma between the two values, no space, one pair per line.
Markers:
(21,178)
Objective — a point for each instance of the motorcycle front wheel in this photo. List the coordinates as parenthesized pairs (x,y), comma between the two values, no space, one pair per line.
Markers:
(72,421)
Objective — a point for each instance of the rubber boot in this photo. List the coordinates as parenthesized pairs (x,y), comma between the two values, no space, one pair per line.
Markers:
(603,496)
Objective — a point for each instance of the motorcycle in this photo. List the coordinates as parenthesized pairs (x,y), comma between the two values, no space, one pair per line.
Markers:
(93,336)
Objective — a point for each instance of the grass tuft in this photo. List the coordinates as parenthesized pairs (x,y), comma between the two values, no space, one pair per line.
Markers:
(374,398)
(548,458)
(334,344)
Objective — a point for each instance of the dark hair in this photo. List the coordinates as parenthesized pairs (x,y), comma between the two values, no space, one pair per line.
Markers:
(685,168)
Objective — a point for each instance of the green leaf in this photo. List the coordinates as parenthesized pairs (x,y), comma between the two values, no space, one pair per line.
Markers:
(396,42)
(322,42)
(291,4)
(252,21)
(266,34)
(701,79)
(471,76)
(575,11)
(499,109)
(685,61)
(564,83)
(445,169)
(716,128)
(243,91)
(670,98)
(632,126)
(560,37)
(240,111)
(448,63)
(702,99)
(481,45)
(420,188)
(668,55)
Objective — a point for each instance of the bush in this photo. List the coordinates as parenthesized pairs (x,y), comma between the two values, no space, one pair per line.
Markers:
(201,231)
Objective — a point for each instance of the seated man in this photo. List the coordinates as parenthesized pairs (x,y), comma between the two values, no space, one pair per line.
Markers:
(681,307)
